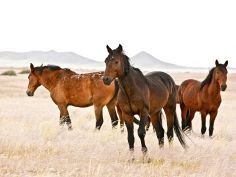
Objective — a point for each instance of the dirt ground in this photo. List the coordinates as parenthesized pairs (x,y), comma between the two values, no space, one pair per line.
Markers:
(33,144)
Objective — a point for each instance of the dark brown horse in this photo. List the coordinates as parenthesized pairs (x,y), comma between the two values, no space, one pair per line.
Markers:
(203,97)
(144,96)
(81,90)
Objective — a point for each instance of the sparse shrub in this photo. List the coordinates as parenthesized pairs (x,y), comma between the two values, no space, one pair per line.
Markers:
(9,73)
(24,71)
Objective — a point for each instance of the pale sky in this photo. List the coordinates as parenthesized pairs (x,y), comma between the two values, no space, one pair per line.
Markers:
(184,32)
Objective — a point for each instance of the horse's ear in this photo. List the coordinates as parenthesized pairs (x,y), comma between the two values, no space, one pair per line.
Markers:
(119,48)
(226,63)
(216,62)
(109,49)
(32,67)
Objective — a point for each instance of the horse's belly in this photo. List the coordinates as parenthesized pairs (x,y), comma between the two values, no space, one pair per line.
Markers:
(80,100)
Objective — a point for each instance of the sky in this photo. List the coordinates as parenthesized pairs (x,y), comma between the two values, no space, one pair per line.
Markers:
(183,32)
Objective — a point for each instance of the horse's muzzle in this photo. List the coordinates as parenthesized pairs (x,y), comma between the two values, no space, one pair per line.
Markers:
(29,93)
(107,80)
(223,87)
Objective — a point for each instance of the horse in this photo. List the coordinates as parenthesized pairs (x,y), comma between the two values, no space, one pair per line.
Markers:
(203,97)
(144,96)
(68,88)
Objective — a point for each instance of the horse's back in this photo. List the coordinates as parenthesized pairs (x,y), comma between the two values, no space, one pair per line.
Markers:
(84,90)
(161,78)
(188,93)
(162,88)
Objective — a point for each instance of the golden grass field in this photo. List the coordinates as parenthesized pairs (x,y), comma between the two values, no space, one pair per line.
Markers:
(33,144)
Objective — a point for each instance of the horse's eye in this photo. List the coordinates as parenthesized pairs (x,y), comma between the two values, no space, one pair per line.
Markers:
(116,62)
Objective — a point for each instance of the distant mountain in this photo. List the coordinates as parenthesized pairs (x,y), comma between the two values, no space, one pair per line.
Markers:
(145,61)
(142,60)
(64,59)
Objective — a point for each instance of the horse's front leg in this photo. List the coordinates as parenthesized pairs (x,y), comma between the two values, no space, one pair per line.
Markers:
(64,116)
(130,129)
(99,116)
(141,130)
(112,112)
(212,120)
(203,117)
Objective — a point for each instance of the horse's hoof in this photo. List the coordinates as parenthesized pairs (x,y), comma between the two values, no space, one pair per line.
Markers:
(70,128)
(98,128)
(131,156)
(161,146)
(61,123)
(144,150)
(114,127)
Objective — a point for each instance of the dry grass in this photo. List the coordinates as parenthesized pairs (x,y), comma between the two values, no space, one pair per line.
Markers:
(33,144)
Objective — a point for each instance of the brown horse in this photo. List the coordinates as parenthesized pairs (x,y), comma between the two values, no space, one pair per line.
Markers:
(203,97)
(177,96)
(144,96)
(81,90)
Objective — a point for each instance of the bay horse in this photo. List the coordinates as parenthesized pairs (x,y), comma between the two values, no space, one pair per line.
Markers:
(203,97)
(80,90)
(144,96)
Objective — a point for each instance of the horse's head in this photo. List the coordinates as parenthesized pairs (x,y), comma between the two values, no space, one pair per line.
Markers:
(33,81)
(220,74)
(116,64)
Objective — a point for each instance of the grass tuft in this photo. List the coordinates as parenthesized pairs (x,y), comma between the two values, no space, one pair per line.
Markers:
(9,73)
(24,71)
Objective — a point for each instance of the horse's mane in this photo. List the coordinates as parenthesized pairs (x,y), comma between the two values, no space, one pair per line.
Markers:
(208,79)
(50,67)
(127,66)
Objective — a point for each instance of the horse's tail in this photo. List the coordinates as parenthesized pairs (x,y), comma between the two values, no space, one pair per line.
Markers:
(187,117)
(179,132)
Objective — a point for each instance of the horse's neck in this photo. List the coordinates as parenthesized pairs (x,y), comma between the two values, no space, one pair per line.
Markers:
(213,89)
(128,81)
(49,79)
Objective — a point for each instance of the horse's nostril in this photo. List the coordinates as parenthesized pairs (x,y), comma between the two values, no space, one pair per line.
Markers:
(29,93)
(106,80)
(223,87)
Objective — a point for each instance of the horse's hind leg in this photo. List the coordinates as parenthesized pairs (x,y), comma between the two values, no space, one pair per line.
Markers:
(112,112)
(212,120)
(99,116)
(148,124)
(183,115)
(169,111)
(64,116)
(157,125)
(190,117)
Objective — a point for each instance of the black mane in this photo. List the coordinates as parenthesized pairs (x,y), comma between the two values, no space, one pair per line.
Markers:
(208,79)
(49,67)
(127,67)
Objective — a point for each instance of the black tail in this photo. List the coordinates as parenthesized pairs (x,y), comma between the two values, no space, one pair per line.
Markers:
(179,132)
